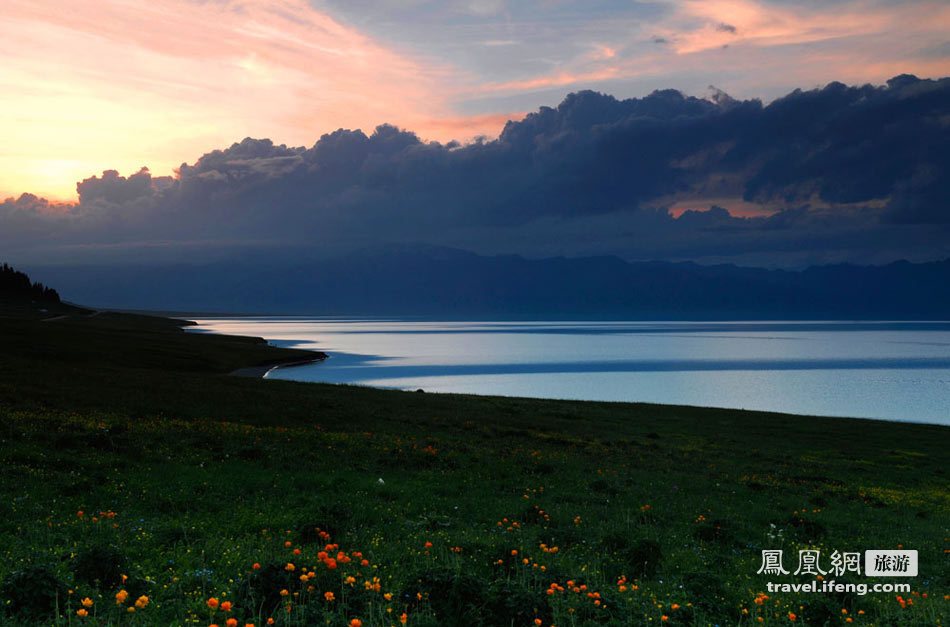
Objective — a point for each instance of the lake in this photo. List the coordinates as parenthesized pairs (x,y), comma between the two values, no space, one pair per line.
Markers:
(889,370)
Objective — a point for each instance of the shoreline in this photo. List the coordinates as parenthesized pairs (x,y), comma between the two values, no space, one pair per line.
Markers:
(260,372)
(894,414)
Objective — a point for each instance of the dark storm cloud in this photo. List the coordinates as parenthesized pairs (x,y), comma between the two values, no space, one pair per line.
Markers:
(114,188)
(852,144)
(922,198)
(726,28)
(843,165)
(26,204)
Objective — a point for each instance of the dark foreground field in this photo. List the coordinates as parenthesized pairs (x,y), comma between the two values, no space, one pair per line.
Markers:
(139,477)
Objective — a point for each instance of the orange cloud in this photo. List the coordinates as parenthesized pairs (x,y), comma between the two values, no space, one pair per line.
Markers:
(571,77)
(603,52)
(87,86)
(734,205)
(116,84)
(471,126)
(872,42)
(552,80)
(727,22)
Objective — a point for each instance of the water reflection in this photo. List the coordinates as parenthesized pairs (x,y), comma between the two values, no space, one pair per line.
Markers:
(896,370)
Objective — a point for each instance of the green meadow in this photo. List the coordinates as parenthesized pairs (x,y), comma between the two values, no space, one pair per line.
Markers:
(142,485)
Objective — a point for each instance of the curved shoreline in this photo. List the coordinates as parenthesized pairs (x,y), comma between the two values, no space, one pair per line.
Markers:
(260,372)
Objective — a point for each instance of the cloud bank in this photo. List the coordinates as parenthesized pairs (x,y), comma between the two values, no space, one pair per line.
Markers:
(833,174)
(89,86)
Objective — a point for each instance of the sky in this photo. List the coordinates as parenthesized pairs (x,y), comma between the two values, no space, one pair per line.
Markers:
(119,84)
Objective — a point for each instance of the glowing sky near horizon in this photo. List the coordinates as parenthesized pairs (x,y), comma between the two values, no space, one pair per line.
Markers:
(121,84)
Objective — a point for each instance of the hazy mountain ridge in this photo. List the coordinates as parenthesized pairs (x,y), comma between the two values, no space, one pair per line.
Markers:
(448,283)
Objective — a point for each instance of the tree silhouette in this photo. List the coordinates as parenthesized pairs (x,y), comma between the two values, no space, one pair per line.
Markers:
(17,285)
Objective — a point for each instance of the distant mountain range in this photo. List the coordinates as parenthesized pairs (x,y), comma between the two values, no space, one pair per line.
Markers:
(447,283)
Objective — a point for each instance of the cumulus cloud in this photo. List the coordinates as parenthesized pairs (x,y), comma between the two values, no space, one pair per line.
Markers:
(118,190)
(841,172)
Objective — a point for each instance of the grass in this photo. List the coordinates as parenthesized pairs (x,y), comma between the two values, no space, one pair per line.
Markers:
(194,485)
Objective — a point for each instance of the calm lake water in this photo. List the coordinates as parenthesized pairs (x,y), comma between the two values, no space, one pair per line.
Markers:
(890,370)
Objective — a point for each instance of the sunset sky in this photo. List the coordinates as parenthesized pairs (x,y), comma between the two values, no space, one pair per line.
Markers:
(121,84)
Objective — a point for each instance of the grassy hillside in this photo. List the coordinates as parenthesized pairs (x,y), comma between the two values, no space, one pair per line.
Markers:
(133,469)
